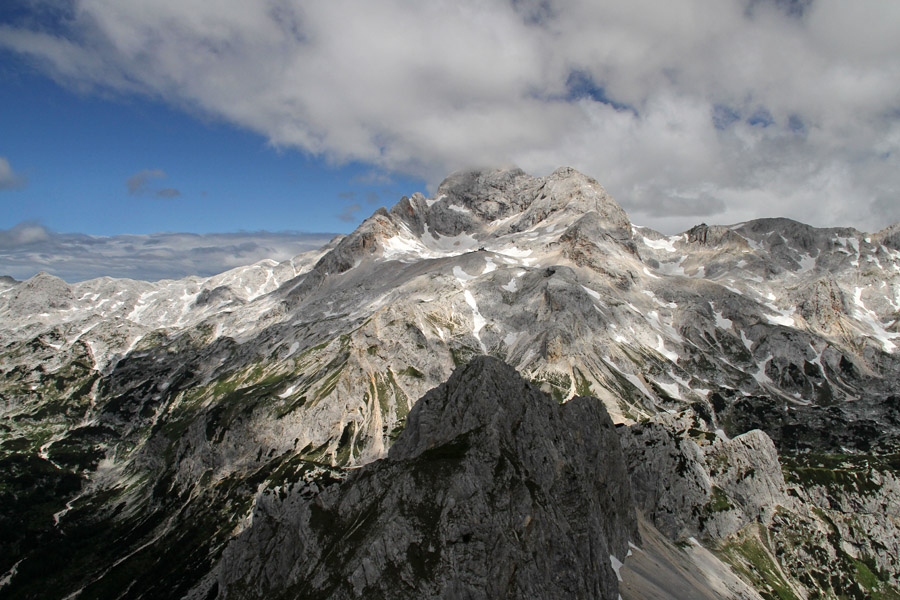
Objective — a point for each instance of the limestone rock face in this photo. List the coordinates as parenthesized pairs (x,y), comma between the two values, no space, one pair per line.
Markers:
(707,486)
(669,478)
(43,293)
(492,491)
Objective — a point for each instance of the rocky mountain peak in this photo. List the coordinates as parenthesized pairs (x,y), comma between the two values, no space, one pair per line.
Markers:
(493,195)
(890,236)
(366,240)
(39,294)
(485,393)
(493,490)
(474,209)
(572,191)
(715,235)
(473,187)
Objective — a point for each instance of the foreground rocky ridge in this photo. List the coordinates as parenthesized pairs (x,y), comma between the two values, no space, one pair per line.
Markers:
(492,490)
(159,410)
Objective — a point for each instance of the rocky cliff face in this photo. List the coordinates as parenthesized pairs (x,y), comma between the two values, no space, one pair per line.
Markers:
(493,490)
(701,484)
(154,412)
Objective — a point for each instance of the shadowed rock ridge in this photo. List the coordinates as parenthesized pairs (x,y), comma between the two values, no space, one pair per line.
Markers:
(492,491)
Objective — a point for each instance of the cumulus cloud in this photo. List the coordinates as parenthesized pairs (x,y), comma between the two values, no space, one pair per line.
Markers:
(732,108)
(9,179)
(30,247)
(27,233)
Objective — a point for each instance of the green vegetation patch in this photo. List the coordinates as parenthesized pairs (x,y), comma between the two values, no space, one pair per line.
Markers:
(848,472)
(750,558)
(582,385)
(701,435)
(559,383)
(461,355)
(719,501)
(413,372)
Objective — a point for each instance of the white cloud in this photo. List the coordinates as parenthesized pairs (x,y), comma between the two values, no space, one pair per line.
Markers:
(9,179)
(812,88)
(29,248)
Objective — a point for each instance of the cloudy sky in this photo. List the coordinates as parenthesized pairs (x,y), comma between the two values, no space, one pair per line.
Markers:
(29,247)
(143,116)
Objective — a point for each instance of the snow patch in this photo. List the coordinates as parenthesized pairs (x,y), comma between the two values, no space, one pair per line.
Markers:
(634,380)
(511,285)
(673,268)
(462,275)
(4,581)
(430,201)
(658,301)
(760,375)
(616,565)
(514,252)
(661,348)
(721,321)
(667,244)
(448,246)
(403,245)
(617,337)
(593,294)
(753,243)
(874,323)
(807,263)
(671,389)
(478,321)
(783,317)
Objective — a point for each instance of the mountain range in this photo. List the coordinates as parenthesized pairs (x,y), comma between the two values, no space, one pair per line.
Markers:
(506,390)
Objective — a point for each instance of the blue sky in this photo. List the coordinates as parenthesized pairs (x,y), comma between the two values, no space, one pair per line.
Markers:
(296,115)
(78,151)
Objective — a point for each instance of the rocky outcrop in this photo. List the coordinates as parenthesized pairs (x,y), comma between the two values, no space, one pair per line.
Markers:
(43,293)
(824,306)
(716,235)
(493,490)
(701,484)
(367,241)
(890,236)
